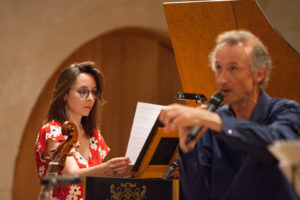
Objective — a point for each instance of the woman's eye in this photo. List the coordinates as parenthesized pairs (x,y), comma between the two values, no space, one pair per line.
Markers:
(82,91)
(94,92)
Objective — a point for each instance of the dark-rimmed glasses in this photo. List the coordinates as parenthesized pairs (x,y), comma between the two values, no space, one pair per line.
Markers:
(85,92)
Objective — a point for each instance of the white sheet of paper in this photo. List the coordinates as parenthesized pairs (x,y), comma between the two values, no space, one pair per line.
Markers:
(144,119)
(287,152)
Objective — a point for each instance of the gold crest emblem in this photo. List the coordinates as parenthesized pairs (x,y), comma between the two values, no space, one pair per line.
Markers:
(127,191)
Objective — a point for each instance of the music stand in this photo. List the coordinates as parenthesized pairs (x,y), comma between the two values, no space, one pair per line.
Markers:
(159,150)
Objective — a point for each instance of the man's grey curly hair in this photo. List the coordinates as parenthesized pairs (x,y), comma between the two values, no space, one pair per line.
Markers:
(260,55)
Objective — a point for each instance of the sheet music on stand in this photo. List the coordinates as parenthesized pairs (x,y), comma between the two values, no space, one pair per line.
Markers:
(145,116)
(287,152)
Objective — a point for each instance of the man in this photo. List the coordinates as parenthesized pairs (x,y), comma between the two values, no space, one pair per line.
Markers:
(229,158)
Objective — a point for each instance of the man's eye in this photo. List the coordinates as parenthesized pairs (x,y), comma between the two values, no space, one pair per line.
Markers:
(233,68)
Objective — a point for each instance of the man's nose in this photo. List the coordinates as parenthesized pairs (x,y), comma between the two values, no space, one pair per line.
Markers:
(222,77)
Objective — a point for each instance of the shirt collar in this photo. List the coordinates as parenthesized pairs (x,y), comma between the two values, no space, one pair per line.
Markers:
(260,110)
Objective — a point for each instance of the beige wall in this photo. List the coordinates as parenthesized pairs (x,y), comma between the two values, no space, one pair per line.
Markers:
(285,18)
(138,65)
(37,36)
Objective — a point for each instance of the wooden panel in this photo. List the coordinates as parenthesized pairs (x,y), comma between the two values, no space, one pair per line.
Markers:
(285,76)
(193,28)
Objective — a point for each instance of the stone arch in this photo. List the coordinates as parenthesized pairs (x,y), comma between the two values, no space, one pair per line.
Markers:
(138,64)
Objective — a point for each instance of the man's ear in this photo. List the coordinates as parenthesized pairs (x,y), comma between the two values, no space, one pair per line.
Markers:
(261,74)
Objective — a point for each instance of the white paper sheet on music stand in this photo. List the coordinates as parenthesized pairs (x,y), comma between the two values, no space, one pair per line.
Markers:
(287,152)
(144,119)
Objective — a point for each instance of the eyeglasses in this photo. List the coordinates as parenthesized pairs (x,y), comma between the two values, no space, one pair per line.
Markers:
(84,92)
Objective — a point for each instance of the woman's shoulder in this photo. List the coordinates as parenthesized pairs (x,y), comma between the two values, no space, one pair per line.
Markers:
(53,124)
(97,133)
(52,129)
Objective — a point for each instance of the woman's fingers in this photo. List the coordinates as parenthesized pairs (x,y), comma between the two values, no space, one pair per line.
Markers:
(120,170)
(119,165)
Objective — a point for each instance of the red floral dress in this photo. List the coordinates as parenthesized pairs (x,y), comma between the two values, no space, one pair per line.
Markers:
(98,151)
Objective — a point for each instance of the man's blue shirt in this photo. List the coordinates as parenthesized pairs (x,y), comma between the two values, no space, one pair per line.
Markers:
(235,163)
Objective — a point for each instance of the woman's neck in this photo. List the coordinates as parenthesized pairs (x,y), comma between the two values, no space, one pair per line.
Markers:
(76,120)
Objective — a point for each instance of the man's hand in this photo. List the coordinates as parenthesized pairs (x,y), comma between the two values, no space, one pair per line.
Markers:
(184,117)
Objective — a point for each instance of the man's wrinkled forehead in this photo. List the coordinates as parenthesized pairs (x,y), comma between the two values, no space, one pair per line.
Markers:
(247,45)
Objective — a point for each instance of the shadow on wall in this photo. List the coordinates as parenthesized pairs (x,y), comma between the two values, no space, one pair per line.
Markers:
(138,65)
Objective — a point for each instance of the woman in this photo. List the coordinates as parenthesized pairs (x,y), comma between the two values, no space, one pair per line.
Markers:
(76,96)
